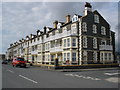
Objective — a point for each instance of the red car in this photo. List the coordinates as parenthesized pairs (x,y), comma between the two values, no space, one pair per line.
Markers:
(19,61)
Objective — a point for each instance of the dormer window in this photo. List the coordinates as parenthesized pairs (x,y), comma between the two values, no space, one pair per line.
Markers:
(38,33)
(75,18)
(32,36)
(96,18)
(47,29)
(59,25)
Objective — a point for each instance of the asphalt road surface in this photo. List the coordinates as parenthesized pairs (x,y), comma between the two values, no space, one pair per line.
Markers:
(35,77)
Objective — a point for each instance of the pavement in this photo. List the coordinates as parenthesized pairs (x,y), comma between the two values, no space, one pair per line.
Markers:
(36,77)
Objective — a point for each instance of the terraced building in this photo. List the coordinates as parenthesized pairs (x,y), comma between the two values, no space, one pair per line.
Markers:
(79,40)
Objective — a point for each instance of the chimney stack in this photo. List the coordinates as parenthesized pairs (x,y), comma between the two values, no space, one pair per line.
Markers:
(27,37)
(11,45)
(67,18)
(55,23)
(31,35)
(45,29)
(38,31)
(88,8)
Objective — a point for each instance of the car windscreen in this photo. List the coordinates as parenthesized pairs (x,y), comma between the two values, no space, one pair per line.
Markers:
(20,59)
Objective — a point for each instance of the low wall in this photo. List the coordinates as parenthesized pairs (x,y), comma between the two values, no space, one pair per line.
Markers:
(86,66)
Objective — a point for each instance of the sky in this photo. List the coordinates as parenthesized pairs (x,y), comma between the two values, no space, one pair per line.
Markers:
(20,19)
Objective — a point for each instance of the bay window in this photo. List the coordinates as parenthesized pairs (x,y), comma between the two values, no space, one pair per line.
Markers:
(74,56)
(74,42)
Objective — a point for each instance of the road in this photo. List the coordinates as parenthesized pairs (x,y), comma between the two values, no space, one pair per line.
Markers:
(35,77)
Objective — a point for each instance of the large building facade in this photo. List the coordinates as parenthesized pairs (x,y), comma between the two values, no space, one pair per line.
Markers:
(79,40)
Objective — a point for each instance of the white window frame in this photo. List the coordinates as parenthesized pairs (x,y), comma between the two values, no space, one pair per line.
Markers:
(94,28)
(73,29)
(65,42)
(75,18)
(84,42)
(74,42)
(95,42)
(68,56)
(74,56)
(68,42)
(48,57)
(85,55)
(65,56)
(96,18)
(101,56)
(103,30)
(84,27)
(95,56)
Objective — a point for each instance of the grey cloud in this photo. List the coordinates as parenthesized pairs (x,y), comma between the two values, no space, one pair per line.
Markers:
(21,19)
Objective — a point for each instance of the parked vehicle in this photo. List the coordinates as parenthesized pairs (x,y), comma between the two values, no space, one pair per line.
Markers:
(4,62)
(19,61)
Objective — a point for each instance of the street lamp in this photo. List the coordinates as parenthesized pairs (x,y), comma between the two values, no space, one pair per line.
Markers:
(27,40)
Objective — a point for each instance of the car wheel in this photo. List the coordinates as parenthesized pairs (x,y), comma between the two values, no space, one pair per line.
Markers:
(25,66)
(30,64)
(13,65)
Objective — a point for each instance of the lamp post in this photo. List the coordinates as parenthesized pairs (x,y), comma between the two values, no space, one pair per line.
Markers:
(27,38)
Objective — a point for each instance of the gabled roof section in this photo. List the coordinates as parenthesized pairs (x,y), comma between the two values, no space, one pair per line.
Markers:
(96,12)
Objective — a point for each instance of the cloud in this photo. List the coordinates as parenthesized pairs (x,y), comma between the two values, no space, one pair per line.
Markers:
(34,9)
(23,18)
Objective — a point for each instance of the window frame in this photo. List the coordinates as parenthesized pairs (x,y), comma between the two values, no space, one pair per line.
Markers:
(84,42)
(103,30)
(84,27)
(74,42)
(68,56)
(94,56)
(64,56)
(64,42)
(74,54)
(96,18)
(94,28)
(68,42)
(95,42)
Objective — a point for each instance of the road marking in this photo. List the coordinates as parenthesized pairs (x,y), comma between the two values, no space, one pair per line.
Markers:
(10,71)
(112,79)
(81,76)
(28,79)
(111,73)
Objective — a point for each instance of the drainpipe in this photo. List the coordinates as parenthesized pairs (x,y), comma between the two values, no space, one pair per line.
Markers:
(78,41)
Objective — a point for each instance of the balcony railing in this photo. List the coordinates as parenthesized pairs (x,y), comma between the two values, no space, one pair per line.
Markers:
(56,49)
(60,35)
(34,52)
(106,47)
